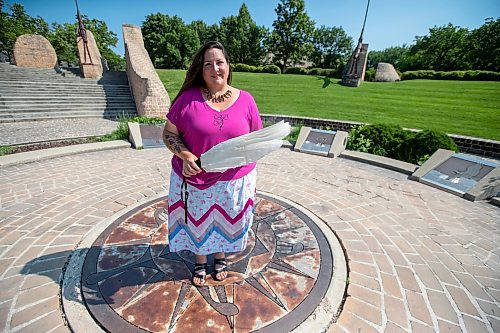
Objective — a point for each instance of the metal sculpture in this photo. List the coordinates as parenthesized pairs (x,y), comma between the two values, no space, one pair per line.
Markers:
(82,32)
(351,76)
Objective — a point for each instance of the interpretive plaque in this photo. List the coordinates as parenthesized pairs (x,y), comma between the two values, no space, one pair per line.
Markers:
(145,135)
(152,135)
(465,175)
(320,142)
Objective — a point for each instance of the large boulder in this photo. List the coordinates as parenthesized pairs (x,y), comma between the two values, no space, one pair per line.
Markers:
(386,73)
(34,51)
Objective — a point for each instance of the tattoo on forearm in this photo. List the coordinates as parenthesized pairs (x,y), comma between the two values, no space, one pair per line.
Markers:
(173,142)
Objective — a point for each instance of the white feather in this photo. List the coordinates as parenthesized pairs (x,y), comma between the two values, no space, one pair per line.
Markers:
(245,149)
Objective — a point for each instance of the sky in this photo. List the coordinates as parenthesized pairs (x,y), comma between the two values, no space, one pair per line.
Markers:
(389,22)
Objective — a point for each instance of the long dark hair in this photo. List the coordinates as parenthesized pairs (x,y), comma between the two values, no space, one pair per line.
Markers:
(194,75)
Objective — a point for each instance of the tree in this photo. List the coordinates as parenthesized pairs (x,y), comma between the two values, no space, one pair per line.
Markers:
(293,29)
(63,40)
(332,47)
(395,55)
(104,39)
(17,23)
(442,49)
(205,32)
(243,38)
(483,45)
(169,42)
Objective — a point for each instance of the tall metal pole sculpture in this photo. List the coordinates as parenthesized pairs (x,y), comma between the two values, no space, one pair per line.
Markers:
(82,32)
(353,72)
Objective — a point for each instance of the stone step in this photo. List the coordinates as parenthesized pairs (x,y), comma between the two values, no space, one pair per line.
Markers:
(66,100)
(38,94)
(76,107)
(58,115)
(66,91)
(28,82)
(70,108)
(27,113)
(64,94)
(51,88)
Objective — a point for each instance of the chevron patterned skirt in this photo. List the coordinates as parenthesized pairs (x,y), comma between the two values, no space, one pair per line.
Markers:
(219,217)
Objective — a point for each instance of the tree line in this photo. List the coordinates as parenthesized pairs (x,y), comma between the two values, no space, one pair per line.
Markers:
(293,41)
(447,48)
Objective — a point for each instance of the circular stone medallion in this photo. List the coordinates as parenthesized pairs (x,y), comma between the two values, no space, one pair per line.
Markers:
(131,282)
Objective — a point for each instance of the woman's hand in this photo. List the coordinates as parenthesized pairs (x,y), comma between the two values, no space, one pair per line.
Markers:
(189,167)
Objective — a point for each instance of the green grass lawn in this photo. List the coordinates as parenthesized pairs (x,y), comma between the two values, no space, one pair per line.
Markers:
(458,107)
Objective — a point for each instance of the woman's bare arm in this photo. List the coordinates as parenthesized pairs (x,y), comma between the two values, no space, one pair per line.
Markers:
(175,144)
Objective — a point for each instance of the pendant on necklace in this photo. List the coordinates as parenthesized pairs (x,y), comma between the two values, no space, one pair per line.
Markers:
(214,98)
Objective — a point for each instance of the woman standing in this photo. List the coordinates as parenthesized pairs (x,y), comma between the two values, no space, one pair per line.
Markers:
(209,212)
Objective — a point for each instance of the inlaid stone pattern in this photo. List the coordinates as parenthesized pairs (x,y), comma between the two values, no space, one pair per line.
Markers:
(151,97)
(131,281)
(34,51)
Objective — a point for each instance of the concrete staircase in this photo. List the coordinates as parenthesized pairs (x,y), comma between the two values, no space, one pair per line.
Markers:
(28,94)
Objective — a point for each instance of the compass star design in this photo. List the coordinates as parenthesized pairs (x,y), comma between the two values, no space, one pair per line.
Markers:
(131,282)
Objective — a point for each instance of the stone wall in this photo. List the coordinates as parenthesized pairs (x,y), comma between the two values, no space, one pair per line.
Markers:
(34,51)
(90,65)
(150,95)
(466,144)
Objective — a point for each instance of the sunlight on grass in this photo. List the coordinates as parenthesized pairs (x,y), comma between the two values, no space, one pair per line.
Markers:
(457,107)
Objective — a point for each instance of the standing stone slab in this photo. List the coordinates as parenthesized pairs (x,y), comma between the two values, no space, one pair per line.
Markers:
(34,51)
(90,57)
(151,97)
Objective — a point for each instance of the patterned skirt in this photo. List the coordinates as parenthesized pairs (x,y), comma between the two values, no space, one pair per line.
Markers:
(219,217)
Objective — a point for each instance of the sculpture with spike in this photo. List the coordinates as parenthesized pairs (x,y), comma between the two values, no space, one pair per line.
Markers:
(354,72)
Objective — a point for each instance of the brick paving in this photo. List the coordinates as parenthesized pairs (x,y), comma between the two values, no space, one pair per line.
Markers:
(420,259)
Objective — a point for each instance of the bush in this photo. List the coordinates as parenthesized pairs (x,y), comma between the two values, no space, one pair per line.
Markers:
(425,143)
(394,142)
(481,76)
(147,120)
(323,72)
(386,139)
(357,141)
(416,75)
(4,150)
(272,69)
(370,74)
(244,68)
(472,75)
(296,70)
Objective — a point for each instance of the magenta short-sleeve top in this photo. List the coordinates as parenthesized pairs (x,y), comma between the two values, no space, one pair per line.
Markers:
(201,127)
